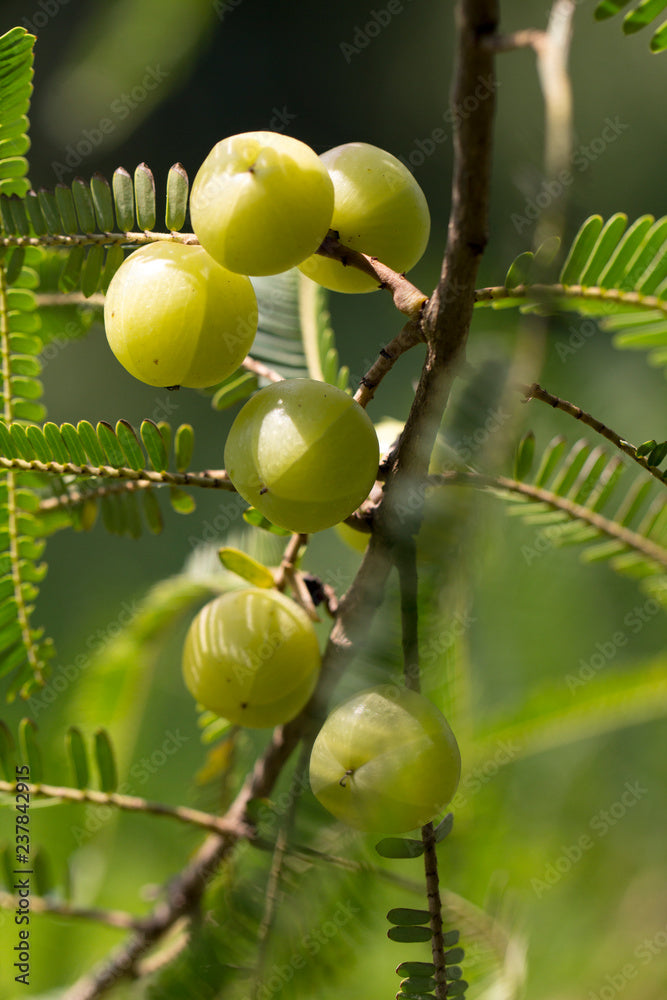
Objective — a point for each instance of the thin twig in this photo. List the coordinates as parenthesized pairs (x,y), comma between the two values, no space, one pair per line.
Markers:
(549,295)
(309,854)
(407,298)
(406,564)
(301,593)
(273,892)
(526,38)
(552,59)
(435,911)
(552,52)
(39,904)
(131,803)
(288,561)
(551,48)
(178,941)
(258,368)
(536,391)
(449,317)
(75,497)
(410,336)
(68,241)
(52,299)
(576,511)
(207,480)
(287,574)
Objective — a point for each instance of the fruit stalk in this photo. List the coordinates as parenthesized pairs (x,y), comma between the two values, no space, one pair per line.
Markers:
(447,335)
(448,313)
(408,337)
(407,298)
(406,561)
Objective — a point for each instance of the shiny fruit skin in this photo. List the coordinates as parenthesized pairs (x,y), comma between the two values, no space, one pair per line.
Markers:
(304,453)
(386,760)
(175,317)
(252,657)
(379,209)
(261,202)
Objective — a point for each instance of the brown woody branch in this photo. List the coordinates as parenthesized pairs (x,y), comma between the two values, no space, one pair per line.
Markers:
(131,803)
(263,371)
(435,910)
(447,320)
(407,298)
(410,335)
(217,481)
(536,391)
(39,904)
(448,313)
(576,511)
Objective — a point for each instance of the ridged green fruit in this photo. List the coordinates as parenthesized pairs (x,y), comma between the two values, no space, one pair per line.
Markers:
(304,453)
(175,317)
(379,209)
(261,202)
(252,656)
(386,761)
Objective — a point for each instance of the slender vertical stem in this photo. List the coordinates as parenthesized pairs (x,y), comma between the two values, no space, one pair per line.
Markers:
(447,321)
(435,910)
(273,890)
(406,562)
(22,612)
(552,69)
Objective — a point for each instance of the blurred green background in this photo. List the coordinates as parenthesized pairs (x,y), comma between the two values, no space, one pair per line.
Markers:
(174,78)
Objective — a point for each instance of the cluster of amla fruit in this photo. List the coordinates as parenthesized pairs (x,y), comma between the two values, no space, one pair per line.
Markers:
(304,453)
(385,760)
